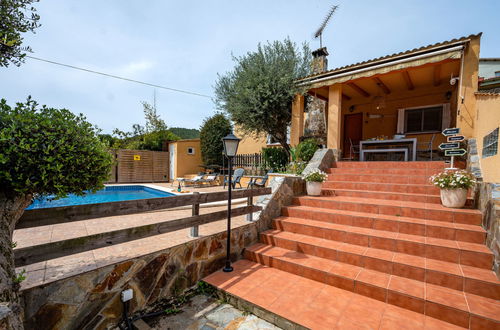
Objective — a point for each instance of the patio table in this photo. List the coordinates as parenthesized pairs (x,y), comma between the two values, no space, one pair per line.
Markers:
(396,143)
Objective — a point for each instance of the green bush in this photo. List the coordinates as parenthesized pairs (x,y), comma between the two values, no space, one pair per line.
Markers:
(306,149)
(275,159)
(49,151)
(212,131)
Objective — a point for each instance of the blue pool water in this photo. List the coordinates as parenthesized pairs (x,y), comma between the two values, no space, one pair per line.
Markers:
(108,194)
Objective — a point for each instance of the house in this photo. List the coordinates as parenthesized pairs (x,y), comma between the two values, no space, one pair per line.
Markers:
(184,157)
(415,94)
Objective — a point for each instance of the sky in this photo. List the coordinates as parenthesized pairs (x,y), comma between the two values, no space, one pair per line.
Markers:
(185,44)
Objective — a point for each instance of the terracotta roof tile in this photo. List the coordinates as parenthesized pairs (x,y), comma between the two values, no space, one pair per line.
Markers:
(407,52)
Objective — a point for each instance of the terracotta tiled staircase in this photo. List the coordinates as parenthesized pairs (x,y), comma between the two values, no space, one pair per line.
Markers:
(378,231)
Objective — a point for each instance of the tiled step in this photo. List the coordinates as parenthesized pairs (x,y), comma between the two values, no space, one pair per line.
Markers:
(311,304)
(385,171)
(395,196)
(391,223)
(478,281)
(456,307)
(428,211)
(377,178)
(469,254)
(382,165)
(389,187)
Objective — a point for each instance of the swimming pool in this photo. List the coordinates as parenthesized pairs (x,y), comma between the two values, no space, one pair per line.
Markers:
(108,194)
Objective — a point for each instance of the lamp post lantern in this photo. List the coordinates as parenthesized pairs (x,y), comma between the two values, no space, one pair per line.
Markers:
(230,143)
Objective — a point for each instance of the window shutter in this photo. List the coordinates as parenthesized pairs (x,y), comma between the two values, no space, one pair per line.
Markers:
(446,116)
(401,121)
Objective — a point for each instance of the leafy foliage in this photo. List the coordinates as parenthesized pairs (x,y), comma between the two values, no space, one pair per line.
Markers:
(275,159)
(212,131)
(185,133)
(306,149)
(49,151)
(258,93)
(17,16)
(152,136)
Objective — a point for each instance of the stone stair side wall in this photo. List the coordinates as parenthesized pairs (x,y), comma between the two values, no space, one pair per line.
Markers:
(487,199)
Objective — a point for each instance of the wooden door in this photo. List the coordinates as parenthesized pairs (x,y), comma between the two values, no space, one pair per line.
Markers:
(353,130)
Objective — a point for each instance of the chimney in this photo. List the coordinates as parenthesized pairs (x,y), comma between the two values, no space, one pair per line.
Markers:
(320,62)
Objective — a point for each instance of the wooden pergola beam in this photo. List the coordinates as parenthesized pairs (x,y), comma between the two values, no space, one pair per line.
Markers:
(358,89)
(321,97)
(347,97)
(382,86)
(437,75)
(407,78)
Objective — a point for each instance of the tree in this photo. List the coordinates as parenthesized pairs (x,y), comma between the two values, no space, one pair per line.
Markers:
(212,131)
(148,137)
(17,16)
(185,133)
(258,94)
(43,151)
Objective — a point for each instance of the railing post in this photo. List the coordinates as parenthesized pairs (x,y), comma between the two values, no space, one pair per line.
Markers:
(250,203)
(196,211)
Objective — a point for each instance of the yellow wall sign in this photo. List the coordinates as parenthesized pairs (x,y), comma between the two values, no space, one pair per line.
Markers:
(137,157)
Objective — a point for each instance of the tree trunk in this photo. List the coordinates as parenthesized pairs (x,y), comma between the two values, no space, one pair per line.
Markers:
(11,311)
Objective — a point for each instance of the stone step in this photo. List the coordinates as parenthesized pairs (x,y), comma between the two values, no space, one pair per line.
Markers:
(464,253)
(453,306)
(382,165)
(378,178)
(478,281)
(392,187)
(294,302)
(428,211)
(405,225)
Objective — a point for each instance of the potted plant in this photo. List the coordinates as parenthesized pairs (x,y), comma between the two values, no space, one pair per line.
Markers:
(314,180)
(454,186)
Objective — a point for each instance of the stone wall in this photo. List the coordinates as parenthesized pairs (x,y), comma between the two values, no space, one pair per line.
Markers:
(487,197)
(92,300)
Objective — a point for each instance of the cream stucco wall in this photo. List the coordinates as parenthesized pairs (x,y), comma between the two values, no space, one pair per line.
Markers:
(185,163)
(250,144)
(488,119)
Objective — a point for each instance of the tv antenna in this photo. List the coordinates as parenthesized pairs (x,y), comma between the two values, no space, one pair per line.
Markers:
(319,32)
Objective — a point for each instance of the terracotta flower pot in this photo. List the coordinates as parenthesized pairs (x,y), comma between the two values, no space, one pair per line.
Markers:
(454,198)
(313,188)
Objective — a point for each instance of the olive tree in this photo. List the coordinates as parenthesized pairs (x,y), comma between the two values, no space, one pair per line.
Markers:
(43,151)
(16,17)
(258,93)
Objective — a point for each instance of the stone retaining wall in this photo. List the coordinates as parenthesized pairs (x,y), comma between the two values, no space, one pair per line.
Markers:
(487,197)
(91,300)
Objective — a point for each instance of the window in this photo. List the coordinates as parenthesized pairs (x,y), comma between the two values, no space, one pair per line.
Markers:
(423,119)
(497,73)
(190,151)
(490,144)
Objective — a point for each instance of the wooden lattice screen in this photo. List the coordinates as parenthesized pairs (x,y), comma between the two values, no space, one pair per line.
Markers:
(139,166)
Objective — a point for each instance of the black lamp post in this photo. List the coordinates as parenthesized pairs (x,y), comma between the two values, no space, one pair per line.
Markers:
(230,143)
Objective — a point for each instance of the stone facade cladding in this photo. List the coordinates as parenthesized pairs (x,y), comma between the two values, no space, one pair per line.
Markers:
(91,300)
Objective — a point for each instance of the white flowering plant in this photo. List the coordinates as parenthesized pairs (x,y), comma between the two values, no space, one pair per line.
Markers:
(315,175)
(460,179)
